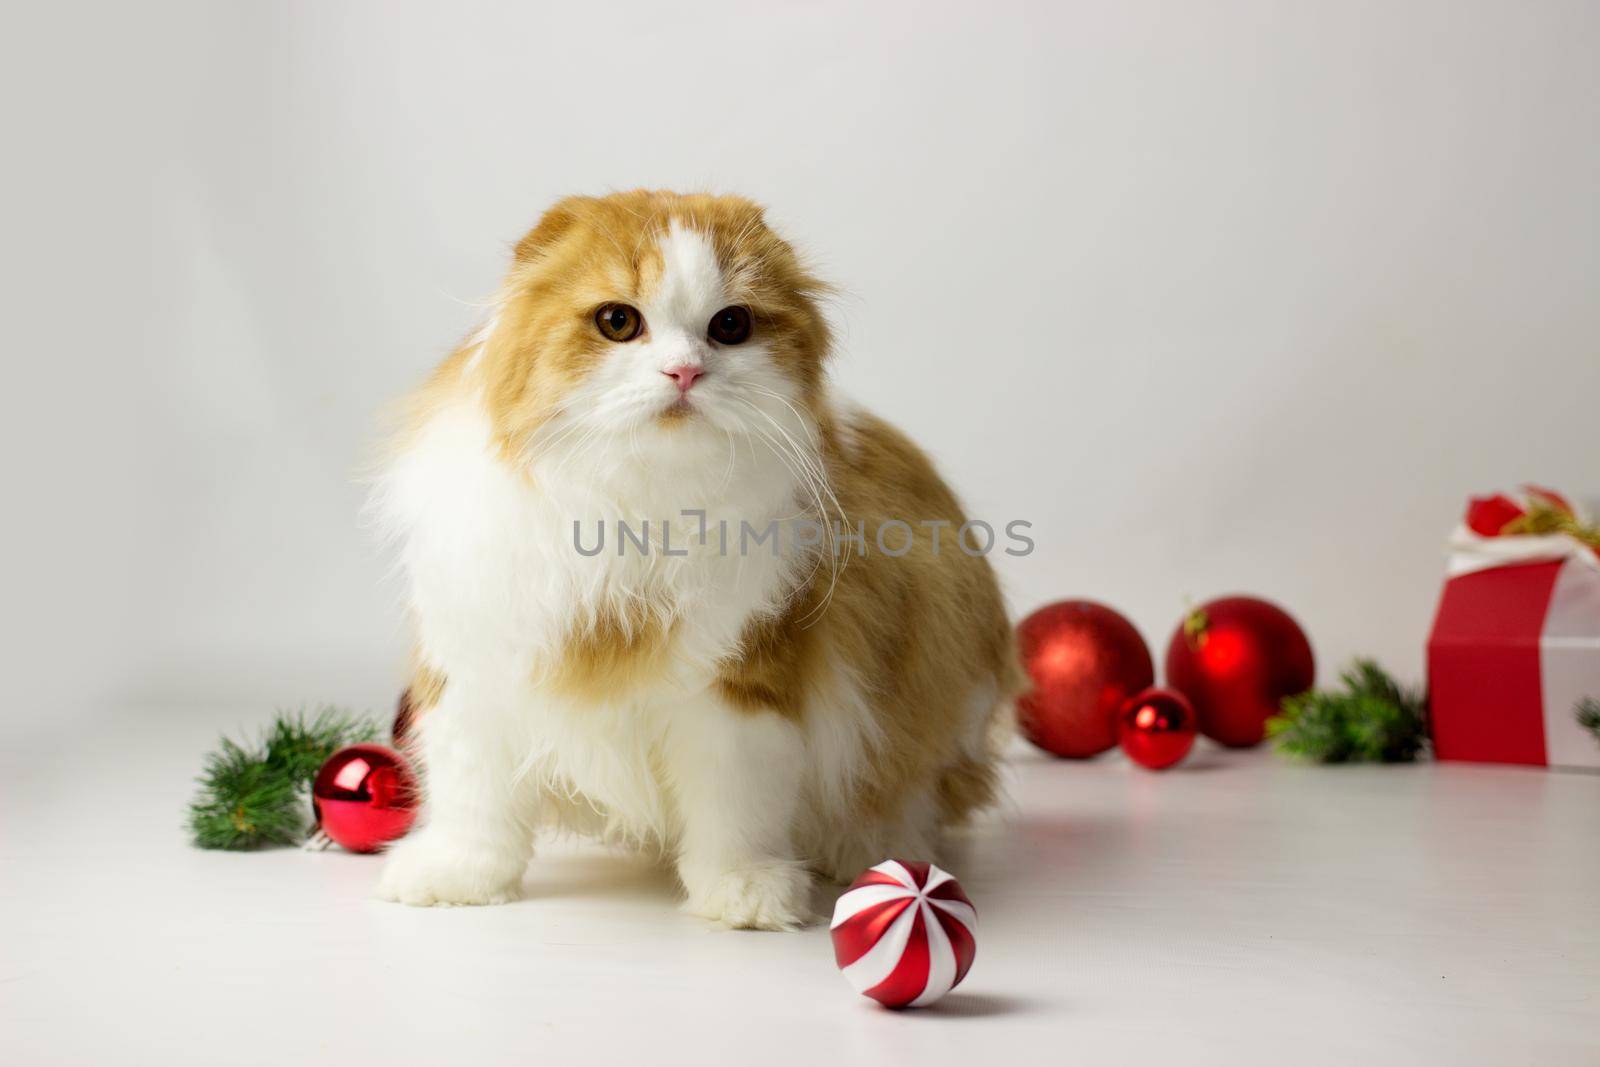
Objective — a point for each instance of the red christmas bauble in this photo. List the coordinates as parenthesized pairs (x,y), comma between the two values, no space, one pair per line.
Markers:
(1085,661)
(364,797)
(1236,659)
(1157,728)
(904,933)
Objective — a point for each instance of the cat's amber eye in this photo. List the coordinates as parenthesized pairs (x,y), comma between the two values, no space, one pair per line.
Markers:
(730,326)
(618,322)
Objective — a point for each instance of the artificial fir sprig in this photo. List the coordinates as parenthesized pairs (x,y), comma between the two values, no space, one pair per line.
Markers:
(1588,713)
(254,797)
(244,803)
(1373,719)
(298,745)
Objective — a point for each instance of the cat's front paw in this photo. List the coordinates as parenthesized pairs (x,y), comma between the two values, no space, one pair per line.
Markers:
(774,896)
(430,869)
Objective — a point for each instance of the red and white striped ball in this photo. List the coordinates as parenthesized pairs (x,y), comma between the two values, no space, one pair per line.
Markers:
(904,933)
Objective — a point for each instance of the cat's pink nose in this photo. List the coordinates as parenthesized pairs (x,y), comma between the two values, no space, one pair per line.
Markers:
(684,375)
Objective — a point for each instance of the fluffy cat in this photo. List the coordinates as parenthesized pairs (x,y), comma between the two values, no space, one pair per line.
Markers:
(756,711)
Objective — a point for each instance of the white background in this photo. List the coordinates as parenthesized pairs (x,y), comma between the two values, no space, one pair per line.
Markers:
(1221,296)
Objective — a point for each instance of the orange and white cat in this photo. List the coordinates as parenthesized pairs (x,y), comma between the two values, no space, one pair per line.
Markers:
(757,709)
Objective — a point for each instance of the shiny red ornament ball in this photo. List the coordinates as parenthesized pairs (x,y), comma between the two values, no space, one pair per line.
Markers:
(1157,728)
(904,933)
(364,797)
(1236,659)
(1085,661)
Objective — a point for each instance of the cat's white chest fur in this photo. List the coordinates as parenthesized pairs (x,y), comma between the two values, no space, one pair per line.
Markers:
(500,581)
(503,564)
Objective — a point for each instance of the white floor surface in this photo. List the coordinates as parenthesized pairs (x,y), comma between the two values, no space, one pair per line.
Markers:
(1236,910)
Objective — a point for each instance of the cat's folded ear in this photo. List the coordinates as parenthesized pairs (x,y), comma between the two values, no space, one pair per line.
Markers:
(553,225)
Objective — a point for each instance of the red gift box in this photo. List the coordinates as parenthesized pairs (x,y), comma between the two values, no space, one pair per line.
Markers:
(1515,646)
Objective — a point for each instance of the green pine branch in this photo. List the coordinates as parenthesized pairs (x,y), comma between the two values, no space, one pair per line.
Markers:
(252,797)
(1372,719)
(298,745)
(1588,713)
